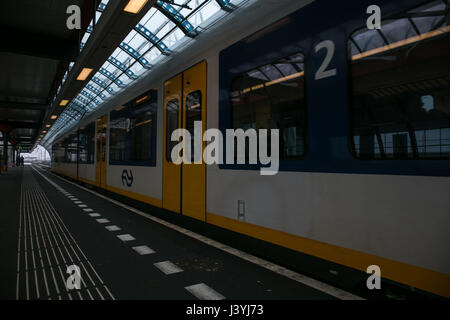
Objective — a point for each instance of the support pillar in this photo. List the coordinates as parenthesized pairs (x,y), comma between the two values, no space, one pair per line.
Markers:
(5,151)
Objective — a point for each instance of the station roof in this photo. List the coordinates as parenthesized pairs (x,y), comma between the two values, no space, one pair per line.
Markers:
(416,25)
(159,29)
(35,50)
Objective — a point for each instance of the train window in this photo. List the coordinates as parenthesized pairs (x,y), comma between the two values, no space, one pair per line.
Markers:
(86,144)
(172,113)
(71,146)
(132,132)
(272,96)
(99,146)
(400,86)
(58,151)
(193,113)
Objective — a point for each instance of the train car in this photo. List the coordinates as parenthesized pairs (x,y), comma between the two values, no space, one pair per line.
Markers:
(364,133)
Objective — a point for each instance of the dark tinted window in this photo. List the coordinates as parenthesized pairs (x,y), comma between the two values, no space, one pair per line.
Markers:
(172,114)
(193,113)
(86,144)
(400,80)
(58,151)
(132,131)
(71,145)
(272,96)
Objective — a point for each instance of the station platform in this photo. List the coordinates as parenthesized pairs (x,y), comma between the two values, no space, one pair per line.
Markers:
(48,223)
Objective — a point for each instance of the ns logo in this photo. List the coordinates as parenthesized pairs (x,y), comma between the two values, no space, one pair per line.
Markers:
(127,178)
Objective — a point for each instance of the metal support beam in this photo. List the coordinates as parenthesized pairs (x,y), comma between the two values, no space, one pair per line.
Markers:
(5,150)
(22,105)
(176,17)
(33,44)
(19,124)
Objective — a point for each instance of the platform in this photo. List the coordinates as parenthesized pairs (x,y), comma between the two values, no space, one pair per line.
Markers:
(48,224)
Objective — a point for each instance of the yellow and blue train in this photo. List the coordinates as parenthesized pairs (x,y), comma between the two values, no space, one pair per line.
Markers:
(364,122)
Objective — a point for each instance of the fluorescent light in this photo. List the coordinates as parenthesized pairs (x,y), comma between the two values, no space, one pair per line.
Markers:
(84,74)
(134,6)
(400,43)
(63,102)
(54,117)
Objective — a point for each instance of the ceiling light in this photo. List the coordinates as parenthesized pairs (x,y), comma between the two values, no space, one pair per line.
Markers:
(44,131)
(63,102)
(47,126)
(84,74)
(134,6)
(54,117)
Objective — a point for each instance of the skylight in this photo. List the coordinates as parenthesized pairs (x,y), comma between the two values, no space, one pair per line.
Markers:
(162,30)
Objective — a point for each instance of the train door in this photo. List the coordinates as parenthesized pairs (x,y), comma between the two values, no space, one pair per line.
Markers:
(100,136)
(184,186)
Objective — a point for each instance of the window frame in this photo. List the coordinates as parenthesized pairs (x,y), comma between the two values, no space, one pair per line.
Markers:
(285,164)
(152,163)
(351,100)
(66,141)
(166,134)
(94,144)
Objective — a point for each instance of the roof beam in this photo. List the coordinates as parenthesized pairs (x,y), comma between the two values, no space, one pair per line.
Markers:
(147,34)
(20,124)
(226,5)
(22,105)
(38,45)
(176,17)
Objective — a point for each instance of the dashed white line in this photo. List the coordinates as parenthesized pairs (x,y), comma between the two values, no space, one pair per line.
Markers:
(88,210)
(204,292)
(143,250)
(126,237)
(93,215)
(113,228)
(168,267)
(82,205)
(318,285)
(103,220)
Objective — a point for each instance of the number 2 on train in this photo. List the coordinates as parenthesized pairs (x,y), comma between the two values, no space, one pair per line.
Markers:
(322,72)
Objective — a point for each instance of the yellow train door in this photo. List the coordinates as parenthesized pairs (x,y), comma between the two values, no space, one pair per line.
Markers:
(172,121)
(100,137)
(184,186)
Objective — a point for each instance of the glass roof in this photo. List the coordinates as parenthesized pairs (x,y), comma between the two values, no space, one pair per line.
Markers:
(163,29)
(415,25)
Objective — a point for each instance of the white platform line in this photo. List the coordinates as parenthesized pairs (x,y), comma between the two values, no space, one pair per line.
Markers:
(93,215)
(313,283)
(126,237)
(102,220)
(143,250)
(62,225)
(203,292)
(113,228)
(168,267)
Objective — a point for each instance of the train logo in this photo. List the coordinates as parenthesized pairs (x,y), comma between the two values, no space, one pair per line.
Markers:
(127,179)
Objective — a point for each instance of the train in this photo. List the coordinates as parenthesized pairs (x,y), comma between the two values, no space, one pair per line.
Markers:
(363,115)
